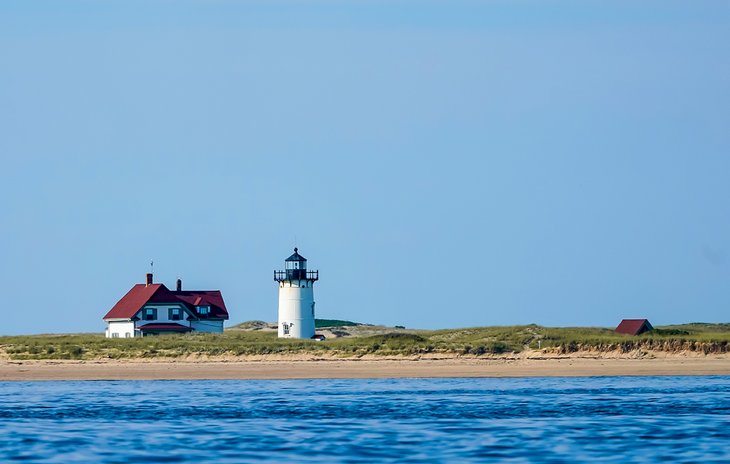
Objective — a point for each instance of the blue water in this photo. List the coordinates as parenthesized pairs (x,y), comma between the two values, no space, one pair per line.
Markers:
(609,419)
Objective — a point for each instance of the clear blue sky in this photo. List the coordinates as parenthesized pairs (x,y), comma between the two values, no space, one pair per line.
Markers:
(442,164)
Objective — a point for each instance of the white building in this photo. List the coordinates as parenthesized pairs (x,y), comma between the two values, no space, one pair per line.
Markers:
(152,309)
(296,298)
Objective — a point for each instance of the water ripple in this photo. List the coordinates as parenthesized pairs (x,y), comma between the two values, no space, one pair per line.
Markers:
(636,419)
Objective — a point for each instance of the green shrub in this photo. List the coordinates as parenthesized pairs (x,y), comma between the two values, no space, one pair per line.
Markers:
(75,351)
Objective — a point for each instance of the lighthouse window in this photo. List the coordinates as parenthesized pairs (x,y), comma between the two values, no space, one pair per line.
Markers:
(285,328)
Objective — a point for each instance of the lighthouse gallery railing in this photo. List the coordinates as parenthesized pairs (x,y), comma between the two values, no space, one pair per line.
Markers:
(296,274)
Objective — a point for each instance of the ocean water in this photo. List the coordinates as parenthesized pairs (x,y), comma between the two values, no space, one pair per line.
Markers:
(607,419)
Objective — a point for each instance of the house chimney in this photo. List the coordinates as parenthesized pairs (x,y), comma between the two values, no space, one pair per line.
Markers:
(149,278)
(179,285)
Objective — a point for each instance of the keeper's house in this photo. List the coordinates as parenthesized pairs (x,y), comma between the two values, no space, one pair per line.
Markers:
(152,309)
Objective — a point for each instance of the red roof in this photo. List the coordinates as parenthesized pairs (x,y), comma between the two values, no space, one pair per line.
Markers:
(170,327)
(634,326)
(212,298)
(133,301)
(141,294)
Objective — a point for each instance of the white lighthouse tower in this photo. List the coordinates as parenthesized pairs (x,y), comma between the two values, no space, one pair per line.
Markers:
(296,298)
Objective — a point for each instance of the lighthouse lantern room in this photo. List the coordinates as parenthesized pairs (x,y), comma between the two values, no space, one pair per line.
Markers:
(296,297)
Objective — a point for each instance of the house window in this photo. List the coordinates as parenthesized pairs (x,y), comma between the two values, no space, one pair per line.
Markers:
(127,335)
(115,335)
(174,314)
(150,314)
(203,310)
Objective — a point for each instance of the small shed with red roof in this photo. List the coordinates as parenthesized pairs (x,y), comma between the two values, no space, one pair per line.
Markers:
(634,326)
(153,309)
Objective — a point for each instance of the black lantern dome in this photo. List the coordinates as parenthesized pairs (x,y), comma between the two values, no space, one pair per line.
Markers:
(296,257)
(296,266)
(295,269)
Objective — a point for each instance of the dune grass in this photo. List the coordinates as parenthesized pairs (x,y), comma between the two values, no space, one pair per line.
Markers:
(476,341)
(325,323)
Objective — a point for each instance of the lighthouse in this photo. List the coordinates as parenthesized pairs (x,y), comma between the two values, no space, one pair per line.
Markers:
(296,297)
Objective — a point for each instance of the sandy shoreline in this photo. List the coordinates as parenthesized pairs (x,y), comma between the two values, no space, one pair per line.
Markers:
(568,366)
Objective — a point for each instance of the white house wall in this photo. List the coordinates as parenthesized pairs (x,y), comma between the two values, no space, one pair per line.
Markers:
(163,315)
(122,329)
(204,325)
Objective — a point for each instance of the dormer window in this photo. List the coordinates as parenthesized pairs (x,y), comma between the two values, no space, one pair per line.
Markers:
(203,310)
(150,314)
(174,314)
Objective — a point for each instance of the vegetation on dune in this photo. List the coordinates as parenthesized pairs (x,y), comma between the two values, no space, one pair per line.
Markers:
(253,325)
(318,323)
(706,338)
(325,323)
(248,339)
(698,327)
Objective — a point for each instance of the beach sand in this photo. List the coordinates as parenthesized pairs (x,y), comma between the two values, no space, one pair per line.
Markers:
(552,366)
